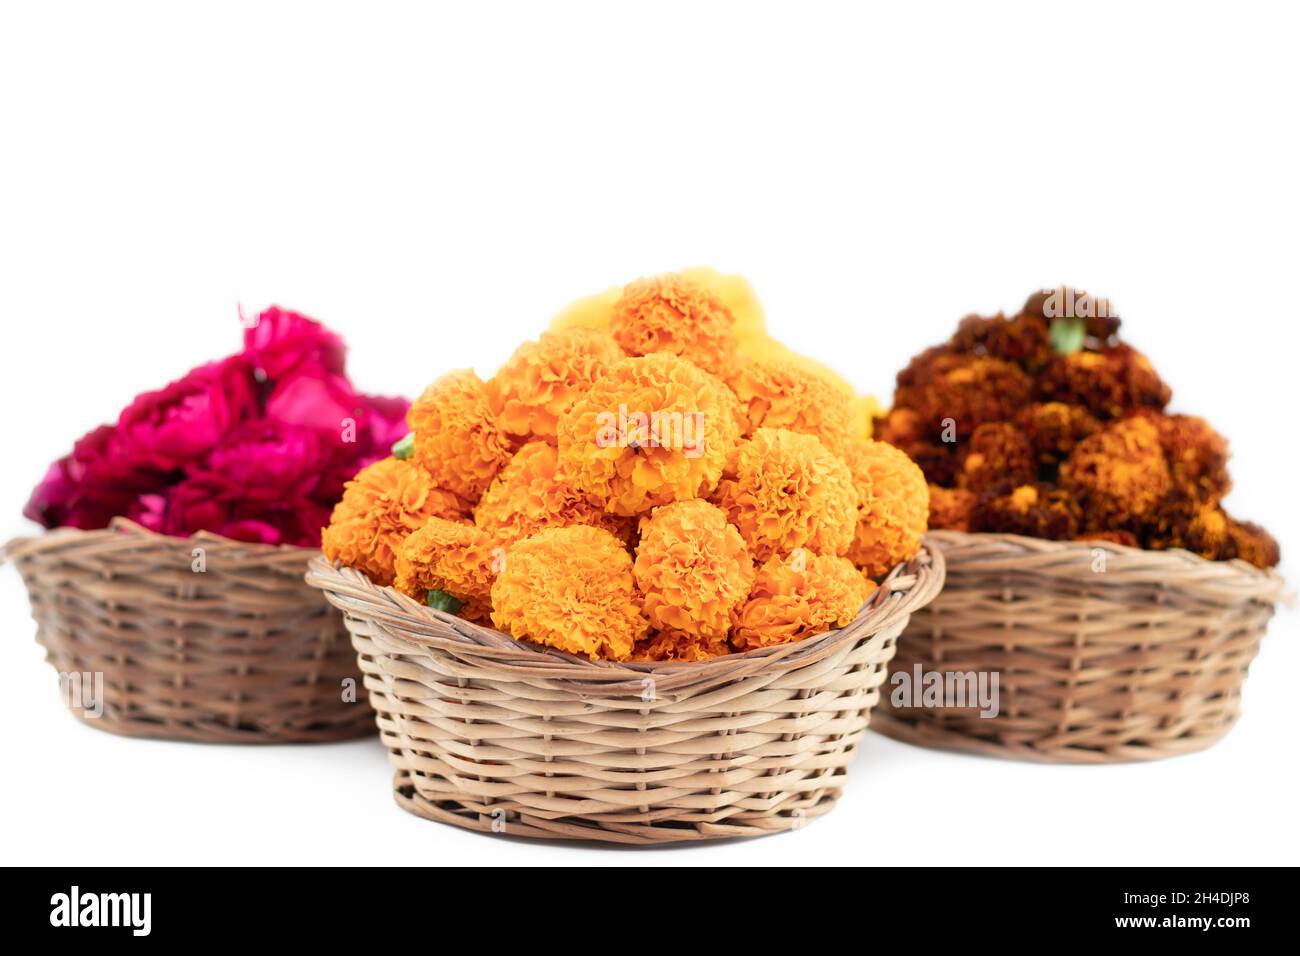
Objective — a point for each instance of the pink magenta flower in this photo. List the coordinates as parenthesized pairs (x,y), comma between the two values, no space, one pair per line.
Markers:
(255,447)
(281,340)
(209,502)
(314,397)
(177,424)
(269,459)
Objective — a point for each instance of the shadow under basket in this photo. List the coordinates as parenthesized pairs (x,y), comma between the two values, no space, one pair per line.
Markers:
(1104,653)
(201,638)
(499,736)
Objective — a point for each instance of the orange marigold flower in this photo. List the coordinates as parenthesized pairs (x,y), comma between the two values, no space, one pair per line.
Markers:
(1120,472)
(572,589)
(869,583)
(692,569)
(951,508)
(453,557)
(893,506)
(457,438)
(529,495)
(651,431)
(543,378)
(383,504)
(784,491)
(779,394)
(675,646)
(799,595)
(672,314)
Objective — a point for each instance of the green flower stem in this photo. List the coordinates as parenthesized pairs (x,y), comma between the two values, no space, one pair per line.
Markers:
(404,448)
(1067,333)
(442,601)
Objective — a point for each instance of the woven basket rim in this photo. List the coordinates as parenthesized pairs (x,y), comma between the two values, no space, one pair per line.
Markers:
(1172,568)
(911,585)
(50,538)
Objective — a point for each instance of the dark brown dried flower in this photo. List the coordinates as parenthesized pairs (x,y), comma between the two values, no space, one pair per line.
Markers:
(1251,543)
(1110,383)
(999,458)
(1023,339)
(1039,511)
(1054,428)
(962,391)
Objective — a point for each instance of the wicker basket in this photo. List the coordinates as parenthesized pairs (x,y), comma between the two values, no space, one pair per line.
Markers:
(494,735)
(1105,653)
(243,652)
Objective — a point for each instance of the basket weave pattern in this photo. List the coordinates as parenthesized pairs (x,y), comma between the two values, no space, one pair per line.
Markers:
(1105,653)
(242,652)
(498,736)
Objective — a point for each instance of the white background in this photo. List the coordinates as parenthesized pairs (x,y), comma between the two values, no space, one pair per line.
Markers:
(436,184)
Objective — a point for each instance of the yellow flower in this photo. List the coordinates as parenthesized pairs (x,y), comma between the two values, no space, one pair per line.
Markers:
(798,595)
(692,569)
(383,504)
(571,589)
(543,378)
(786,491)
(652,430)
(453,557)
(529,495)
(457,438)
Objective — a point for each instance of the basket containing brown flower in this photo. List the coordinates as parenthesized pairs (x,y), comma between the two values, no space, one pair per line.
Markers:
(639,587)
(1091,566)
(168,589)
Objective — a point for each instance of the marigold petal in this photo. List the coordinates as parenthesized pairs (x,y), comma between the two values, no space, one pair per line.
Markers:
(798,595)
(671,314)
(785,491)
(457,438)
(893,506)
(653,430)
(450,556)
(693,569)
(572,589)
(380,507)
(530,495)
(543,378)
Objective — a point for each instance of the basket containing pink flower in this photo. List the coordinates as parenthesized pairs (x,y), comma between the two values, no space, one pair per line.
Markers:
(168,589)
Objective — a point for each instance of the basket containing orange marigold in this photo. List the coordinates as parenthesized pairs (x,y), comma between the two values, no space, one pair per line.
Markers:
(1091,564)
(651,583)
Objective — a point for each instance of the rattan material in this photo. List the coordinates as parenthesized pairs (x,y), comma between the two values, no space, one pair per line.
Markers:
(494,735)
(241,652)
(1105,653)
